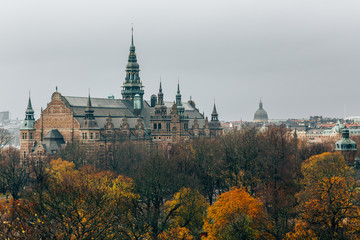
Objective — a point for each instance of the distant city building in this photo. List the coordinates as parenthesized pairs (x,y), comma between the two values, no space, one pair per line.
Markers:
(4,116)
(12,126)
(261,115)
(346,146)
(99,123)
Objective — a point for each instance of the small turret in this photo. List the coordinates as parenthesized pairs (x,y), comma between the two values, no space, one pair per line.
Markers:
(160,108)
(180,107)
(29,117)
(178,95)
(160,96)
(215,123)
(153,100)
(346,146)
(89,119)
(214,114)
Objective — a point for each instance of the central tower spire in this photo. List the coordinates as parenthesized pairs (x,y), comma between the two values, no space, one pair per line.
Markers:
(132,84)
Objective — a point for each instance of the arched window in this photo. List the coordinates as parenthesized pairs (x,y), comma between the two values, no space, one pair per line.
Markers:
(159,126)
(155,126)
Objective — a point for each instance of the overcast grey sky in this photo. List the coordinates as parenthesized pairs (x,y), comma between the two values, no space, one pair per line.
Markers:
(300,56)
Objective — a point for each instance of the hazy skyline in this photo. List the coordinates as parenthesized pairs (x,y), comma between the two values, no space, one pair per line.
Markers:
(301,57)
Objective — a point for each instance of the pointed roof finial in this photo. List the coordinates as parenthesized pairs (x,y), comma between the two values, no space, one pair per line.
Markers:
(56,88)
(178,87)
(214,109)
(132,34)
(160,88)
(29,107)
(89,105)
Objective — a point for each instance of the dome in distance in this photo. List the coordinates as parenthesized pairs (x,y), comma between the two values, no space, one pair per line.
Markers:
(261,115)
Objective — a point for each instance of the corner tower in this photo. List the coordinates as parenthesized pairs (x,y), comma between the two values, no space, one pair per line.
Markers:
(132,84)
(27,132)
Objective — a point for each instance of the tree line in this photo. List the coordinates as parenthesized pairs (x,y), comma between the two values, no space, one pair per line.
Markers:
(248,184)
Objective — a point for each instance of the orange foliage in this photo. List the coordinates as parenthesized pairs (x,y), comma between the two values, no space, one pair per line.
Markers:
(328,201)
(75,204)
(236,215)
(178,233)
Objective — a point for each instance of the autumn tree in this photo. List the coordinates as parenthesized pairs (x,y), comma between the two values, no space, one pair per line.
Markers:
(236,215)
(279,173)
(187,210)
(76,153)
(156,182)
(13,172)
(5,138)
(126,157)
(241,158)
(81,204)
(207,157)
(306,149)
(177,233)
(329,200)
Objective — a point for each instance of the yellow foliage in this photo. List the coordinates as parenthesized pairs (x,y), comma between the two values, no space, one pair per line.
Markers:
(236,215)
(188,208)
(328,200)
(178,233)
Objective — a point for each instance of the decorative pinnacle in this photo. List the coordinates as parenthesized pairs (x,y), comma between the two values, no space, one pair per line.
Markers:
(160,88)
(214,109)
(132,35)
(260,104)
(29,107)
(178,88)
(89,100)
